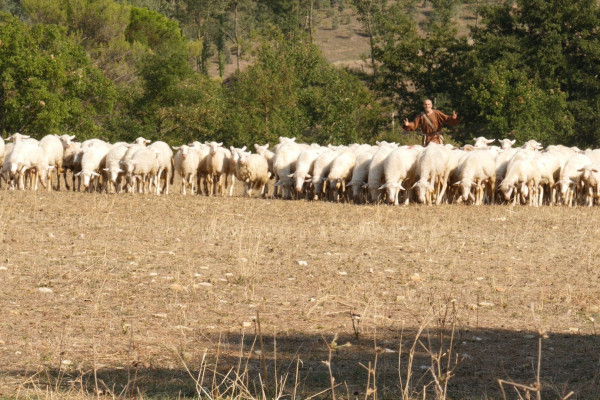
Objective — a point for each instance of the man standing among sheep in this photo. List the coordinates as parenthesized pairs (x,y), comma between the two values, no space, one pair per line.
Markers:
(431,122)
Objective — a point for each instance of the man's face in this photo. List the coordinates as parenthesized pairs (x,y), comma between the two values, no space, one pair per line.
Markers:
(427,105)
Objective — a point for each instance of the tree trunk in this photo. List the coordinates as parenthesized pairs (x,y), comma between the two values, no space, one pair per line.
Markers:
(237,38)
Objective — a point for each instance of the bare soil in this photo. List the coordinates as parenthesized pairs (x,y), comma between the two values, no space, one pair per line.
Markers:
(143,286)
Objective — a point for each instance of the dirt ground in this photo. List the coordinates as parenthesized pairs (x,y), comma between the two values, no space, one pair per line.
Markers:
(138,288)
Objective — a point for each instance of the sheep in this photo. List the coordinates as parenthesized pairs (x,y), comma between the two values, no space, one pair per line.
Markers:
(432,171)
(321,169)
(143,167)
(203,151)
(506,144)
(549,166)
(360,174)
(266,153)
(284,164)
(340,173)
(92,160)
(113,167)
(375,177)
(26,155)
(477,169)
(570,176)
(187,161)
(522,174)
(53,150)
(482,143)
(72,162)
(218,162)
(165,165)
(399,167)
(253,170)
(590,177)
(304,167)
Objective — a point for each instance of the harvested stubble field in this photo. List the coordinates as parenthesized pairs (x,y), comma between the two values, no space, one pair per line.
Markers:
(137,289)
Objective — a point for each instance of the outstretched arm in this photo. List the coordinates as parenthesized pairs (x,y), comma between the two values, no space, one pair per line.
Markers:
(410,126)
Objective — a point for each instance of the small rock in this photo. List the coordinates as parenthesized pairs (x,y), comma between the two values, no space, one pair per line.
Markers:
(197,275)
(228,274)
(485,304)
(500,289)
(176,287)
(246,324)
(424,367)
(386,350)
(574,330)
(67,362)
(343,273)
(370,270)
(415,277)
(153,274)
(390,271)
(51,235)
(3,269)
(302,263)
(81,236)
(243,260)
(529,336)
(177,240)
(205,284)
(258,352)
(45,290)
(183,328)
(160,315)
(477,338)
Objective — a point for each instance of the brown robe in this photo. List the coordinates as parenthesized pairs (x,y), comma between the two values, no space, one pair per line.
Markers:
(438,120)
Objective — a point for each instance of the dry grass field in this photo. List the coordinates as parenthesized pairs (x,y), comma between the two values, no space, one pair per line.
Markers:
(127,293)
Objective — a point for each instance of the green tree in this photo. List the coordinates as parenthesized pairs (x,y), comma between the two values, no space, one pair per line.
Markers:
(49,83)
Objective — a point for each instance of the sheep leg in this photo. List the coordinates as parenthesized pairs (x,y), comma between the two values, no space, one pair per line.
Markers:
(231,187)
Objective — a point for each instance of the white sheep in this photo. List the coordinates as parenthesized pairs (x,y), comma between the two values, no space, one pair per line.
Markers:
(92,160)
(143,168)
(375,178)
(360,174)
(166,165)
(53,150)
(340,173)
(187,161)
(254,172)
(284,164)
(321,169)
(478,171)
(432,173)
(113,166)
(399,167)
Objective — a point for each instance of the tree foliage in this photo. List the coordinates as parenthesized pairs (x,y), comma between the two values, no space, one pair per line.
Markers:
(49,84)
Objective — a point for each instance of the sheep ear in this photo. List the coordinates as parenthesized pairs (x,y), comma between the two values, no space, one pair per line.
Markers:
(400,187)
(243,148)
(581,170)
(105,169)
(220,144)
(384,186)
(595,170)
(290,175)
(95,173)
(571,181)
(456,183)
(176,147)
(513,141)
(415,185)
(121,170)
(72,137)
(78,173)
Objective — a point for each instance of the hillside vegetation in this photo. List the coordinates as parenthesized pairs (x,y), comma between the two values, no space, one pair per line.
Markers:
(325,71)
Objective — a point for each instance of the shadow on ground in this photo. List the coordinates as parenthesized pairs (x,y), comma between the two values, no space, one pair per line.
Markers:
(570,362)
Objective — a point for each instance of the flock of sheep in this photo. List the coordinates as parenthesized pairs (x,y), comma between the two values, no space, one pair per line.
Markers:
(476,174)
